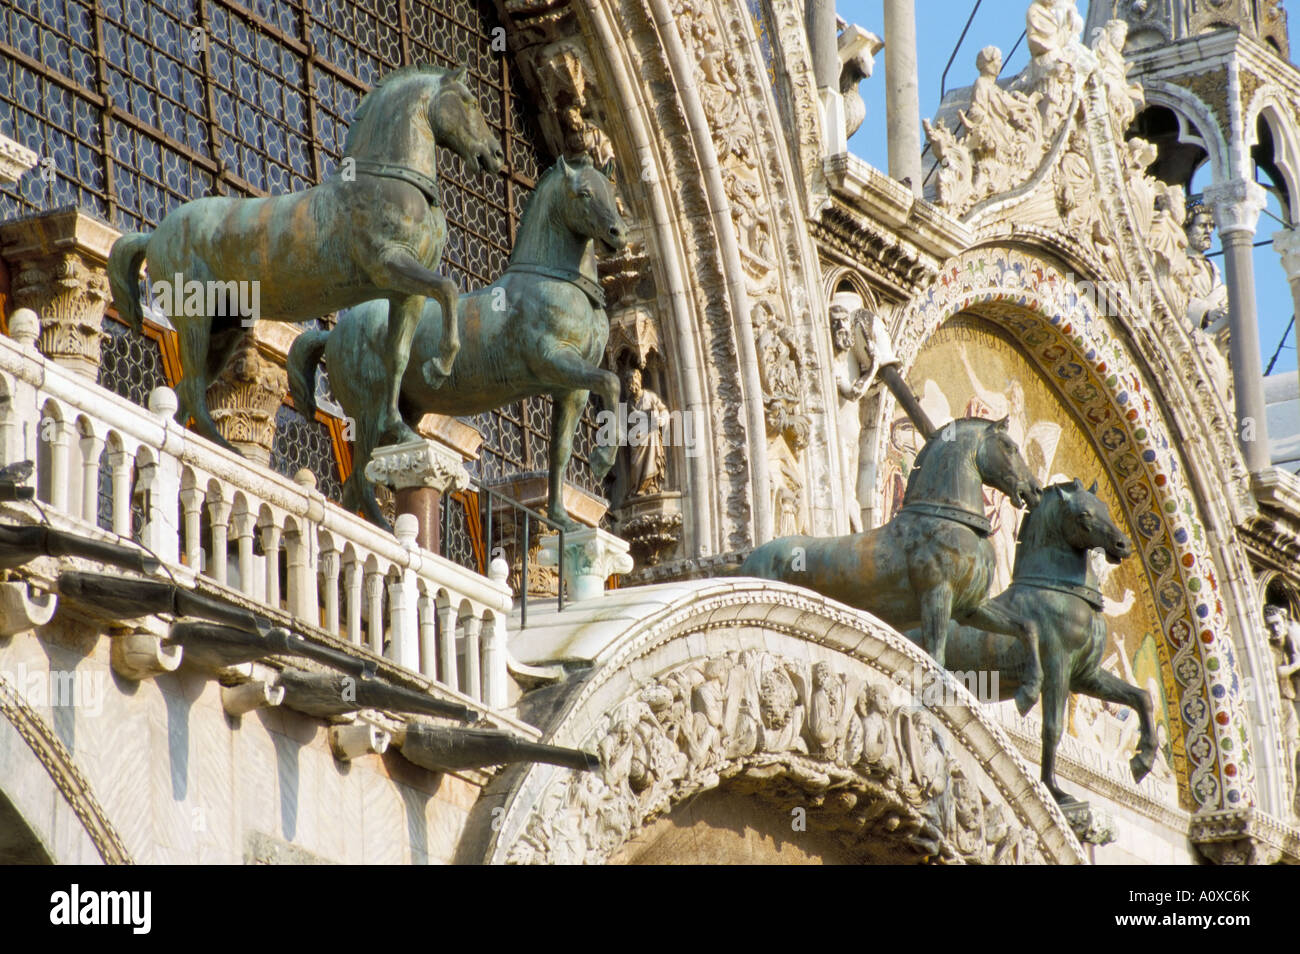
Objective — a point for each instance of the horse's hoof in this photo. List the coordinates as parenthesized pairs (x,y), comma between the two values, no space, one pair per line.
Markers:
(436,373)
(1141,764)
(1025,701)
(397,433)
(602,461)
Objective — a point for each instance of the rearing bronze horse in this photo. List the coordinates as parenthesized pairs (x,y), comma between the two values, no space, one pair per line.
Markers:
(933,562)
(374,230)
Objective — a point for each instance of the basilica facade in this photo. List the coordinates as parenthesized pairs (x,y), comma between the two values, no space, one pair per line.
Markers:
(208,656)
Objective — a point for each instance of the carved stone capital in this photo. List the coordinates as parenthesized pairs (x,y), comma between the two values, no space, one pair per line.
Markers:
(1091,825)
(652,525)
(57,266)
(591,556)
(1237,205)
(1243,836)
(15,159)
(1286,242)
(245,399)
(418,464)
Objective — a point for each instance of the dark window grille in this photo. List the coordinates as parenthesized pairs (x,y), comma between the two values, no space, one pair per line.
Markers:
(137,107)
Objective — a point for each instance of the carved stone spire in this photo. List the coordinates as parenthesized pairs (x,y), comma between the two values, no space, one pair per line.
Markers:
(1157,22)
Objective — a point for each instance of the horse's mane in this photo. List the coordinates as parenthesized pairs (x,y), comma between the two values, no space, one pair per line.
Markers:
(1036,526)
(367,101)
(961,423)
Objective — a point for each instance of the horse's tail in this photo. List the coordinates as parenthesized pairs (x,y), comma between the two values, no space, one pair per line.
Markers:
(304,356)
(124,261)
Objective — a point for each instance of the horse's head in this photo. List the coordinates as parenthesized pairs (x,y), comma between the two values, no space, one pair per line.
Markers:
(1086,523)
(458,124)
(588,206)
(1002,467)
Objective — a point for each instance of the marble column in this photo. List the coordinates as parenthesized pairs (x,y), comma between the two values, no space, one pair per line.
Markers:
(1237,205)
(420,472)
(902,93)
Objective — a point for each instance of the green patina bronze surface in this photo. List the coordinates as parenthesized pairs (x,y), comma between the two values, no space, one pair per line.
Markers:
(933,562)
(539,329)
(1053,586)
(374,230)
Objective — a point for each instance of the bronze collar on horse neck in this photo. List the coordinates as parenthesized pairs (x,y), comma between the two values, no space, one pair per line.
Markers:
(975,521)
(572,276)
(1089,594)
(427,184)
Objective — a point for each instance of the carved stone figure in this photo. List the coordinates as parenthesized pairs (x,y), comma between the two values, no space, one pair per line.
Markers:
(1006,133)
(954,184)
(1125,97)
(881,774)
(375,230)
(1054,586)
(540,328)
(861,347)
(933,561)
(1207,305)
(1168,242)
(647,416)
(1286,659)
(857,50)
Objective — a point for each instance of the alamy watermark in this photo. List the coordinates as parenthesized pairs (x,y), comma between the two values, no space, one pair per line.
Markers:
(58,688)
(196,299)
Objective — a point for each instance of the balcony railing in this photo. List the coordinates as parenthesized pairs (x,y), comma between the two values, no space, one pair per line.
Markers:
(112,468)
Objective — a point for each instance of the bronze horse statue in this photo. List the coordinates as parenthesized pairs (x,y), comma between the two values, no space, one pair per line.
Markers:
(540,328)
(933,562)
(1053,585)
(375,229)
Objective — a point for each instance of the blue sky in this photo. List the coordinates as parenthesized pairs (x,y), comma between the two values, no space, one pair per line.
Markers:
(999,23)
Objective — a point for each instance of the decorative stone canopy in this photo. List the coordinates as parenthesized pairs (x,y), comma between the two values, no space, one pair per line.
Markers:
(1155,22)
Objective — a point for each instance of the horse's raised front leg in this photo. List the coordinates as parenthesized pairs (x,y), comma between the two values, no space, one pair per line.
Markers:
(1108,687)
(403,318)
(564,422)
(565,369)
(997,618)
(1055,694)
(401,272)
(936,611)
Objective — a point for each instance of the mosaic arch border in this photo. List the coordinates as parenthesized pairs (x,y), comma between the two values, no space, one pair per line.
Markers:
(1093,371)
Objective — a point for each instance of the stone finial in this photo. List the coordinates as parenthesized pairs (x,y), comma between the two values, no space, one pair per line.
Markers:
(163,402)
(591,556)
(407,527)
(305,478)
(24,327)
(418,463)
(58,265)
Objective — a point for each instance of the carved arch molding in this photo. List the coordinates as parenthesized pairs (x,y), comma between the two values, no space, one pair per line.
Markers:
(777,695)
(1169,481)
(686,98)
(56,800)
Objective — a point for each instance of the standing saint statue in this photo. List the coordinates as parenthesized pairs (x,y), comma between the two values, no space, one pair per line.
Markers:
(862,348)
(1282,644)
(647,416)
(1207,298)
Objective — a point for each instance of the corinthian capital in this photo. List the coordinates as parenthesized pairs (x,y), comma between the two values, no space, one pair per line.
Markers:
(1237,205)
(1286,242)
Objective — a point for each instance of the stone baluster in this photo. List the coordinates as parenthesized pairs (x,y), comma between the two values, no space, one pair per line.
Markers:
(448,672)
(403,620)
(119,465)
(494,646)
(56,434)
(375,609)
(330,564)
(162,481)
(473,627)
(20,434)
(428,636)
(301,575)
(271,554)
(192,507)
(245,526)
(92,446)
(353,576)
(219,516)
